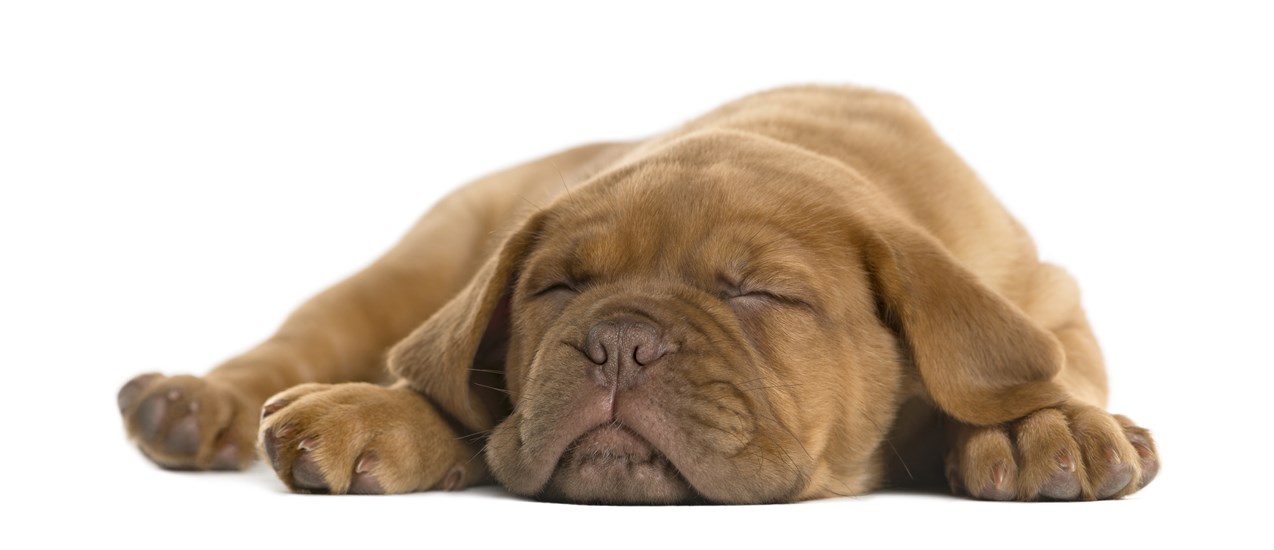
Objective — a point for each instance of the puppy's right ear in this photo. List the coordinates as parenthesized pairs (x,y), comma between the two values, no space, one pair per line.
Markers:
(438,357)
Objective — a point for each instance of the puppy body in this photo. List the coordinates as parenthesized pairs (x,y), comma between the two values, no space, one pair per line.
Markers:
(803,293)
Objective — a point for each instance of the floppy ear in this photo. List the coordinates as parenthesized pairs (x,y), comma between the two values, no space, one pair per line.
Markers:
(438,358)
(979,357)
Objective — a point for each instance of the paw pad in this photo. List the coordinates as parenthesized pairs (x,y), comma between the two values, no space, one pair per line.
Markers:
(187,423)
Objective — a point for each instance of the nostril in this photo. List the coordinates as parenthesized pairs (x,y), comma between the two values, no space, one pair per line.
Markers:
(595,345)
(647,343)
(595,351)
(646,354)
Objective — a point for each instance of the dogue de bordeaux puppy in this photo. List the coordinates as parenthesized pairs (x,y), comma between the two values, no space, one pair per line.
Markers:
(804,293)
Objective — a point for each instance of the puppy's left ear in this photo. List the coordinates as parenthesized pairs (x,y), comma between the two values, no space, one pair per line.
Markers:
(980,358)
(438,358)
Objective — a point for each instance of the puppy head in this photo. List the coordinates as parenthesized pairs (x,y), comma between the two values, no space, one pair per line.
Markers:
(719,322)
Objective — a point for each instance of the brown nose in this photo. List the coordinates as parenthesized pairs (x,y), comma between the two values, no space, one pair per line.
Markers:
(624,346)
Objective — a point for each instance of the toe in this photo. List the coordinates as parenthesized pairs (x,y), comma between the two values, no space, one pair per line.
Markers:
(306,474)
(271,439)
(1107,456)
(987,468)
(366,484)
(1144,445)
(291,395)
(132,391)
(1049,455)
(1064,483)
(455,479)
(150,416)
(226,458)
(365,481)
(998,486)
(183,437)
(1148,457)
(1118,473)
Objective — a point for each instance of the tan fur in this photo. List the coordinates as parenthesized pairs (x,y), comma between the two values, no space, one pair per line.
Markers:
(838,302)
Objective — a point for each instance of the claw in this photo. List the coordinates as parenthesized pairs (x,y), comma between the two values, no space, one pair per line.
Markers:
(273,407)
(1065,462)
(367,462)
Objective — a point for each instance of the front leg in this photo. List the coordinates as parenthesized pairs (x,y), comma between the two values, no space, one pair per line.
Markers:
(364,439)
(1070,452)
(340,335)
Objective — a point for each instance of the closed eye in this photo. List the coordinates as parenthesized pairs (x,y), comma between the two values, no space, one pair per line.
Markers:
(734,293)
(762,296)
(754,298)
(557,288)
(753,295)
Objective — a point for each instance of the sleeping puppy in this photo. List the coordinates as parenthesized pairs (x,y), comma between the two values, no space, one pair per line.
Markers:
(804,293)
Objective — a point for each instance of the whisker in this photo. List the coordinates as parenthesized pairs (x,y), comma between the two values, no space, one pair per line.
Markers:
(790,434)
(533,205)
(563,179)
(505,392)
(900,460)
(772,387)
(805,480)
(894,449)
(474,435)
(475,455)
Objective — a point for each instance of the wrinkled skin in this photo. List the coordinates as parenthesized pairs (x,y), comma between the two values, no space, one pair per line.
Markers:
(755,352)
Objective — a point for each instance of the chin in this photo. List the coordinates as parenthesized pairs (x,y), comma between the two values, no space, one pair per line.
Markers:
(611,464)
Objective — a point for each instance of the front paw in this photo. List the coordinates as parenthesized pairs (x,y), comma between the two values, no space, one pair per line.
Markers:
(363,439)
(188,423)
(1072,452)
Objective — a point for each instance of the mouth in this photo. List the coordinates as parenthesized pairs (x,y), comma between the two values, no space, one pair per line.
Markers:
(612,464)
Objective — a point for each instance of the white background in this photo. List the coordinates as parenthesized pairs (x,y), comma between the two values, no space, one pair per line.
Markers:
(175,177)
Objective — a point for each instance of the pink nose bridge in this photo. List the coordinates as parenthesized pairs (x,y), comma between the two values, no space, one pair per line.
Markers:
(622,348)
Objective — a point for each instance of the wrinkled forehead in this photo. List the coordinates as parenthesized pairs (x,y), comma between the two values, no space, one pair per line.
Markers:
(704,222)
